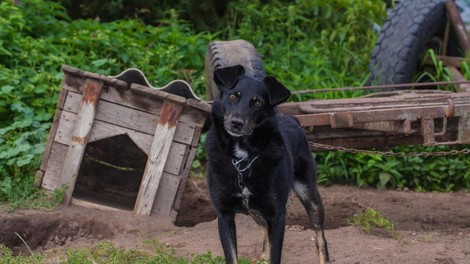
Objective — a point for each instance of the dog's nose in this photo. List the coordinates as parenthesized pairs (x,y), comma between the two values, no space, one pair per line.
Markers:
(237,123)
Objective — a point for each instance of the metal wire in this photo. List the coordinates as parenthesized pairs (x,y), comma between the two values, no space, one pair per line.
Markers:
(379,87)
(390,153)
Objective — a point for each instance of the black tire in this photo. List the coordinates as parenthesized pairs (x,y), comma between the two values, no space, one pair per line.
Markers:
(222,54)
(411,28)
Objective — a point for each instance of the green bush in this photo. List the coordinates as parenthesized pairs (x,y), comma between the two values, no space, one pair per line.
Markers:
(310,44)
(37,38)
(437,173)
(204,14)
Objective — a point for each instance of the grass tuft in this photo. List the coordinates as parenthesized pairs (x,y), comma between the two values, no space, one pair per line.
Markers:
(373,221)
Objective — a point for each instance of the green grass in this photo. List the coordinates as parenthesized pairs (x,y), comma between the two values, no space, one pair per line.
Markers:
(371,221)
(152,251)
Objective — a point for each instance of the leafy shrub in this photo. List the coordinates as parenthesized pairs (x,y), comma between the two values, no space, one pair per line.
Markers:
(438,173)
(37,38)
(204,14)
(313,43)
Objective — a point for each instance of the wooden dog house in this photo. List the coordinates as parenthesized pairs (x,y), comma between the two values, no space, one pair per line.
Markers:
(119,143)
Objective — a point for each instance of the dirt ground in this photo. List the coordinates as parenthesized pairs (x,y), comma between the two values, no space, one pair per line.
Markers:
(431,227)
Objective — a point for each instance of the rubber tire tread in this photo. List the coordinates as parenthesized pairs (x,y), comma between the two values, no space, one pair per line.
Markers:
(220,54)
(402,39)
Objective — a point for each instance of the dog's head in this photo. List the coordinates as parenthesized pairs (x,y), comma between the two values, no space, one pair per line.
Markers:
(244,101)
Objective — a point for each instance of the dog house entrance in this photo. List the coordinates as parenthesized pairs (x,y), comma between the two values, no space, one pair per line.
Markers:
(111,172)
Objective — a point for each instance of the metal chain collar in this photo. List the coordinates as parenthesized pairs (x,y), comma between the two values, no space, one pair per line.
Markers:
(390,153)
(238,167)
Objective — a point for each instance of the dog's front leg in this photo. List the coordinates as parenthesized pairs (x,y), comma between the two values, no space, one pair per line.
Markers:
(228,236)
(276,231)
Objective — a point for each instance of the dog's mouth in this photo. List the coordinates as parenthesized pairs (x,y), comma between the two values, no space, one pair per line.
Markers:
(236,133)
(237,128)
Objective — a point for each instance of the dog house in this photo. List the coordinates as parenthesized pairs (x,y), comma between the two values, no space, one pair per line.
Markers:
(118,143)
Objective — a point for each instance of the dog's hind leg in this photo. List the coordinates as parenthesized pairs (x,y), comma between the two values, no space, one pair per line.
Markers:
(228,236)
(310,199)
(263,224)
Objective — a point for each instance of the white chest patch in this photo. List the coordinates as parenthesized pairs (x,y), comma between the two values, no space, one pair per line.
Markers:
(239,152)
(246,192)
(246,197)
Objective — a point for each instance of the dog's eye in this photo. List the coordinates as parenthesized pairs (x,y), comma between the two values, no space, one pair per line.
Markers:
(258,104)
(234,97)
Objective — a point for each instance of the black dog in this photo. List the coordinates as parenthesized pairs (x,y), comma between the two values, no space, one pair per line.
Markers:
(256,156)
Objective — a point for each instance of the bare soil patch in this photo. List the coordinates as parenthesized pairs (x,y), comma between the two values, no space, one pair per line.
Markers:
(432,228)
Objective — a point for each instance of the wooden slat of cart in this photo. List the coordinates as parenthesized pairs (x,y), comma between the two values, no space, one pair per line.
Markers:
(456,75)
(454,15)
(85,118)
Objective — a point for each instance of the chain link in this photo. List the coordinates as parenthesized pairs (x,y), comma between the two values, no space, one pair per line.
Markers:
(390,153)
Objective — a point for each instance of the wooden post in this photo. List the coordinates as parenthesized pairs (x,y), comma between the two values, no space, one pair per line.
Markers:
(454,15)
(464,129)
(427,131)
(84,122)
(457,76)
(162,140)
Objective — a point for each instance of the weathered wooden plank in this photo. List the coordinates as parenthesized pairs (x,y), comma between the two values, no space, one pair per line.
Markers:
(91,75)
(146,91)
(464,129)
(92,205)
(38,178)
(73,83)
(166,194)
(404,113)
(51,179)
(184,178)
(177,154)
(50,140)
(161,144)
(61,99)
(130,118)
(196,137)
(457,76)
(152,105)
(71,70)
(372,103)
(453,14)
(194,111)
(201,105)
(52,132)
(102,130)
(81,130)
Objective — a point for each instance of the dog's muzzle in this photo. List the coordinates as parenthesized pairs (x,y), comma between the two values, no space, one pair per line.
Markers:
(237,127)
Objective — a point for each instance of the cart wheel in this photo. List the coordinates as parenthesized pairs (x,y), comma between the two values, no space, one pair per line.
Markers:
(222,54)
(411,28)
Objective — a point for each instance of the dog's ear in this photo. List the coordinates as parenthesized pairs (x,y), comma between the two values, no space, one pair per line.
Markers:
(226,78)
(278,93)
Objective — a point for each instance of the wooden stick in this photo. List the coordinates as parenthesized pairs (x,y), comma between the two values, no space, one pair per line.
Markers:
(163,138)
(454,16)
(81,131)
